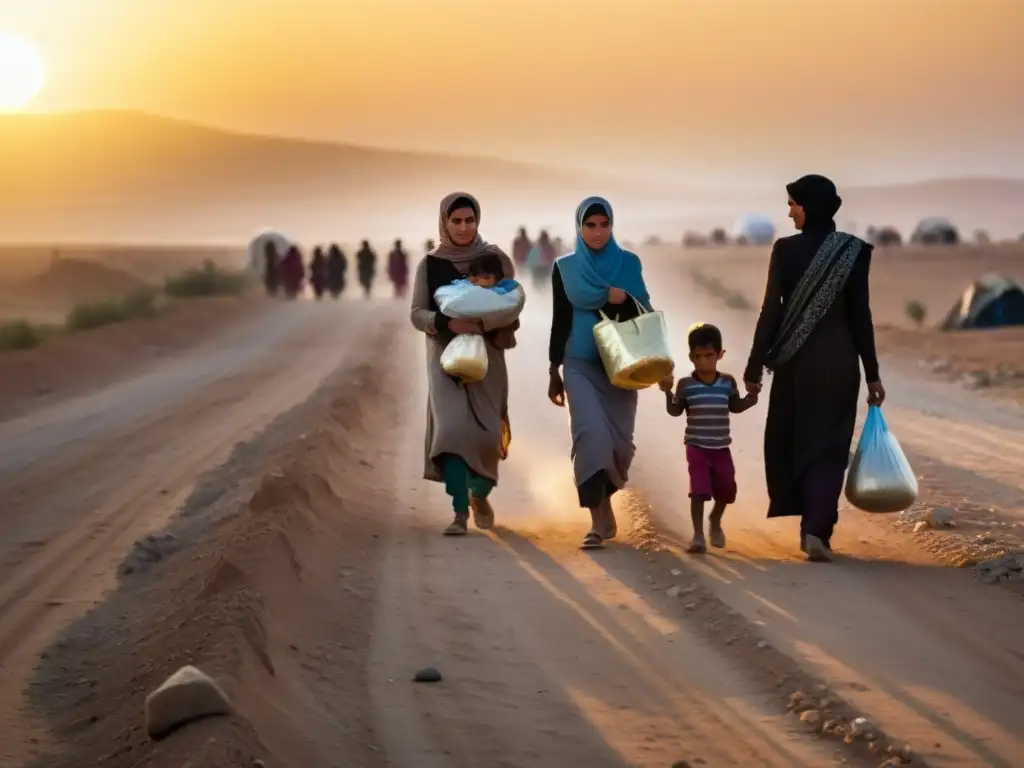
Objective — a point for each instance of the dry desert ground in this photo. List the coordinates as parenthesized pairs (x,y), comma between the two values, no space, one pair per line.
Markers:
(251,504)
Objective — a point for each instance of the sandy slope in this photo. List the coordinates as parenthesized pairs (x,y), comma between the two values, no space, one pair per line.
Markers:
(317,588)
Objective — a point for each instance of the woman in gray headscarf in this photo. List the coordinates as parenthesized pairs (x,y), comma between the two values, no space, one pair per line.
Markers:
(467,424)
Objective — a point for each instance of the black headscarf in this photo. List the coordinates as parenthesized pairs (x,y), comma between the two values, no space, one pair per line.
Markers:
(820,200)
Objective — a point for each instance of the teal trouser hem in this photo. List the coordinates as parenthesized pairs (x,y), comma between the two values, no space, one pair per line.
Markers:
(460,482)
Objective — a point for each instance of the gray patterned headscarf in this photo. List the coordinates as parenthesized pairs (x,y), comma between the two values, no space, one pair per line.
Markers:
(462,255)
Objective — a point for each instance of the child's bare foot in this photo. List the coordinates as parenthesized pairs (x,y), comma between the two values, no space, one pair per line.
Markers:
(717,536)
(697,546)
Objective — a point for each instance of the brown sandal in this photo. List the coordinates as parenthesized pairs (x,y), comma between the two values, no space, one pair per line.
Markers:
(593,540)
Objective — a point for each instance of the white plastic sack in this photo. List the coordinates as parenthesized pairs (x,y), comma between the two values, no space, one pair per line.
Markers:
(465,301)
(466,357)
(880,477)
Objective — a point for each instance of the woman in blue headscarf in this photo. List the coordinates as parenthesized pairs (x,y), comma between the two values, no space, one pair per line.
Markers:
(598,276)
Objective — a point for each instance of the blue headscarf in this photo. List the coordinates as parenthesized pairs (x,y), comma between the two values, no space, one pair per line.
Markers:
(587,275)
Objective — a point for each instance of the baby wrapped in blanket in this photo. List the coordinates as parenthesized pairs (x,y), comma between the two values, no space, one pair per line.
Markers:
(482,297)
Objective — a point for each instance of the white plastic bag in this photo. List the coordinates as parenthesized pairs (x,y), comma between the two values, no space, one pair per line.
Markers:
(466,357)
(880,477)
(495,309)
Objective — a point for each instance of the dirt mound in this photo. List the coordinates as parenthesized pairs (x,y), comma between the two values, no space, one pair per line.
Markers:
(272,595)
(73,280)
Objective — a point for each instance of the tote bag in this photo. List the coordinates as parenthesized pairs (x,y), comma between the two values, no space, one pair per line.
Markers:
(635,353)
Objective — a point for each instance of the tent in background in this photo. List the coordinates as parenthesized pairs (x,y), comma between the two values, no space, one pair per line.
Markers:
(935,231)
(258,245)
(992,301)
(754,229)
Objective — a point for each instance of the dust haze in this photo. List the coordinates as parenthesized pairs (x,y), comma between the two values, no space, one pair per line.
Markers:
(121,177)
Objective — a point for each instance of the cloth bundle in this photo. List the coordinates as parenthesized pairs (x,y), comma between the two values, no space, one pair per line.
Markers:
(497,307)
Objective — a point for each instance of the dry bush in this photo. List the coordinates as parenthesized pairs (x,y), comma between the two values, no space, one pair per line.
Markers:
(917,311)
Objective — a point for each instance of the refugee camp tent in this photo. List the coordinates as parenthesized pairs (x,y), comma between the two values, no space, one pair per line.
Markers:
(884,236)
(992,301)
(934,231)
(258,245)
(754,229)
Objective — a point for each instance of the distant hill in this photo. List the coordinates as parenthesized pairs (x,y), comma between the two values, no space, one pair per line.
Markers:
(124,174)
(109,176)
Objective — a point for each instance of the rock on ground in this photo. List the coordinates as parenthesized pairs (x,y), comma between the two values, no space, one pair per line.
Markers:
(185,696)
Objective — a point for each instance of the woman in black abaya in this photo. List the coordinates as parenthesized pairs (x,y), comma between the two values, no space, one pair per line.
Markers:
(814,332)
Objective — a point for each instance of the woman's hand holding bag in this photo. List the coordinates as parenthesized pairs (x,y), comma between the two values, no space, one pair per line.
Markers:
(617,296)
(876,393)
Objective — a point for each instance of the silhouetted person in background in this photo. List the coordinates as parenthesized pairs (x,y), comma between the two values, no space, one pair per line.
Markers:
(271,269)
(521,247)
(366,263)
(318,272)
(541,257)
(398,268)
(293,273)
(337,268)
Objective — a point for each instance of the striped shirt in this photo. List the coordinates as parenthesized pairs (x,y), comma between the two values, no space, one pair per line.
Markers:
(707,408)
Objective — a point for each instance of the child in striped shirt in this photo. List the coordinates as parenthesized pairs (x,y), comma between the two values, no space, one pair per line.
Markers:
(707,396)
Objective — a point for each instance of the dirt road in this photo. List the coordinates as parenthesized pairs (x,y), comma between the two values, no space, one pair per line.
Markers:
(337,587)
(82,479)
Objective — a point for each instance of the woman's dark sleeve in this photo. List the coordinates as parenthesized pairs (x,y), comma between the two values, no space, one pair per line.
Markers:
(858,297)
(768,321)
(561,319)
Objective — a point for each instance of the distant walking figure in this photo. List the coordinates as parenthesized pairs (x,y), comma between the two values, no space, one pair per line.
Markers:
(271,269)
(813,333)
(541,259)
(318,272)
(337,267)
(366,264)
(398,269)
(293,273)
(521,247)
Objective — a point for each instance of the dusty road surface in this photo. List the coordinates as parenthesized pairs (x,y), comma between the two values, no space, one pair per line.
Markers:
(83,478)
(313,582)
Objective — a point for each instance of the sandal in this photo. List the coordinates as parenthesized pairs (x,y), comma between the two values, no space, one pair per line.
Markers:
(592,540)
(458,527)
(483,513)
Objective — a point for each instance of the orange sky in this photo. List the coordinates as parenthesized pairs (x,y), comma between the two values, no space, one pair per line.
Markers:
(719,91)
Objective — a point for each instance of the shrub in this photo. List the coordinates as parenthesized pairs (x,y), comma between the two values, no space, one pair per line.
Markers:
(916,311)
(94,314)
(20,334)
(207,280)
(139,304)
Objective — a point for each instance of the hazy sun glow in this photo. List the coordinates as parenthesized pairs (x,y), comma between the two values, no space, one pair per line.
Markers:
(22,72)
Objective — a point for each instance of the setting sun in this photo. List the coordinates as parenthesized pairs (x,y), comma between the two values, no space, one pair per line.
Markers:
(22,72)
